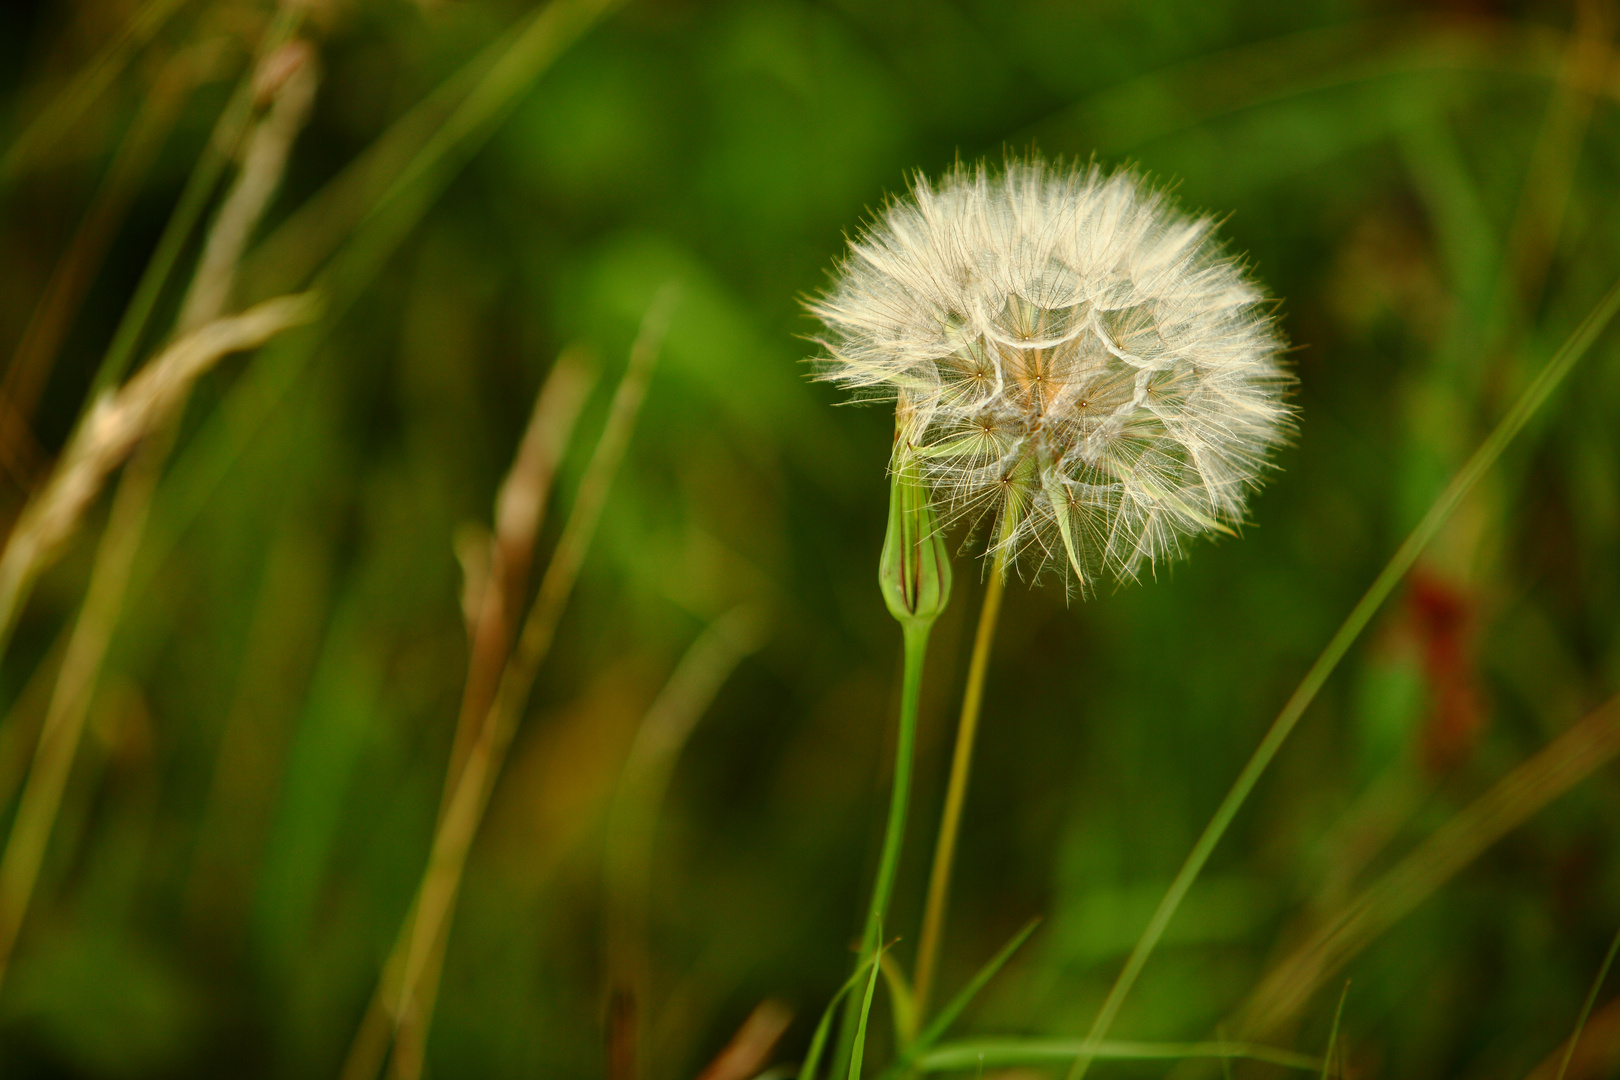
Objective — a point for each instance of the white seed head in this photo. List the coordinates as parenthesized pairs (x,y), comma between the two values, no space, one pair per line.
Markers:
(1074,361)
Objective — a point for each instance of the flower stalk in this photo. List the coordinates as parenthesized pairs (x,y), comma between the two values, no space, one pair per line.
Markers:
(950,825)
(914,574)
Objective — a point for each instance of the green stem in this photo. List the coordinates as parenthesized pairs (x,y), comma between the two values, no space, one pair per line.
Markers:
(916,637)
(939,879)
(916,644)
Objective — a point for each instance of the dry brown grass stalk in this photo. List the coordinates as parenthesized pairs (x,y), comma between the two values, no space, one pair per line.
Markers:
(153,400)
(1565,762)
(115,424)
(411,958)
(519,509)
(287,78)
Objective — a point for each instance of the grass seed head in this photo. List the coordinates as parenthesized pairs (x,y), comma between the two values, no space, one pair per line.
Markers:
(1075,361)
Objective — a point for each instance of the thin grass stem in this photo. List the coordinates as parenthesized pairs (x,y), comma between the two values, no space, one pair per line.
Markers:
(520,507)
(126,527)
(1586,1006)
(939,878)
(112,429)
(1566,761)
(1534,396)
(1333,1035)
(436,894)
(1003,1053)
(70,701)
(391,207)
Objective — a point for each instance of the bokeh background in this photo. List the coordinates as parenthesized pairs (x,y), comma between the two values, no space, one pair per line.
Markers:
(1430,192)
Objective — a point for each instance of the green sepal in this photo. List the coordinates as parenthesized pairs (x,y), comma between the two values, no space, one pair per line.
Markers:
(915,570)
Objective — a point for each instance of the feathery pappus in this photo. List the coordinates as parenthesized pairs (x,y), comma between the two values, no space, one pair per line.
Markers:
(1075,362)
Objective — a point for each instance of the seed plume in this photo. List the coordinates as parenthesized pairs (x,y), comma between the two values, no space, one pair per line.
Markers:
(1075,362)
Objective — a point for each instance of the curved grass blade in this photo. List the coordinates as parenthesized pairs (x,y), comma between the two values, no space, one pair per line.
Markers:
(1586,1009)
(818,1041)
(1002,1053)
(1534,396)
(953,1008)
(858,1051)
(1333,1035)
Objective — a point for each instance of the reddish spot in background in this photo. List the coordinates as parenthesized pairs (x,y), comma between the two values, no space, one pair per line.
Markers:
(1441,618)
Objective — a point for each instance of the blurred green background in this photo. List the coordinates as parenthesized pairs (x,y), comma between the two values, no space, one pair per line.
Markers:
(1429,190)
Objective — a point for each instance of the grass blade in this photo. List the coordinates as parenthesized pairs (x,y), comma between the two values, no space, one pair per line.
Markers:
(440,886)
(953,1009)
(1333,1035)
(1563,763)
(858,1051)
(1534,396)
(1003,1053)
(1586,1007)
(818,1041)
(950,822)
(526,51)
(222,145)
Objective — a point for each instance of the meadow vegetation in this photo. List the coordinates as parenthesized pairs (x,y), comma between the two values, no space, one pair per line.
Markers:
(440,608)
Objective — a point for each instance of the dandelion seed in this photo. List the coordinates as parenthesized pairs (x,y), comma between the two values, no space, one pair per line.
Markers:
(1075,362)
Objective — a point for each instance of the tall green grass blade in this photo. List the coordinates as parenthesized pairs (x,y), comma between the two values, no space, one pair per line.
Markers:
(1583,748)
(1534,396)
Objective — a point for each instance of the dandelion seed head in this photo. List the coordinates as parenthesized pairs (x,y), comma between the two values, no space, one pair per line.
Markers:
(1075,362)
